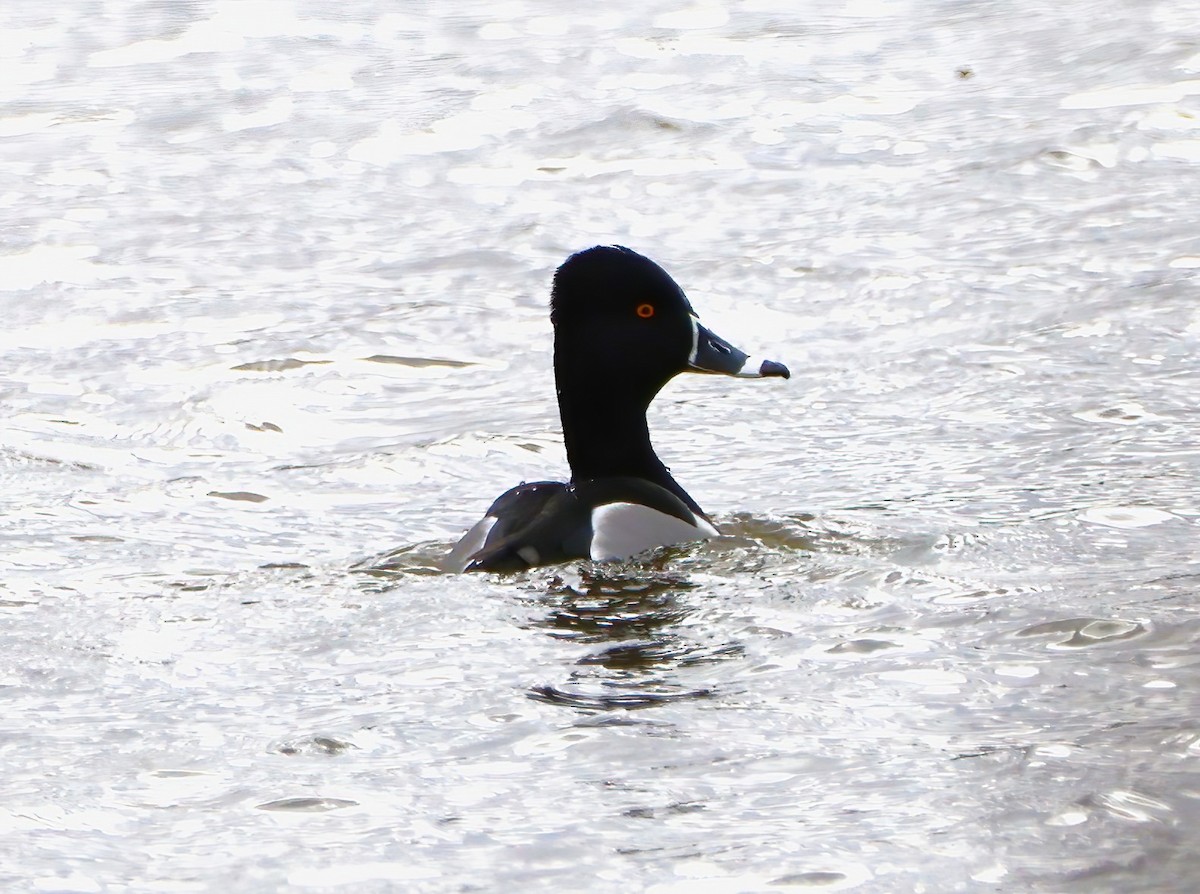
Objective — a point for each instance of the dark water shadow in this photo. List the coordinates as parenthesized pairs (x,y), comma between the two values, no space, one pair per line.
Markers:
(646,647)
(590,703)
(386,570)
(635,615)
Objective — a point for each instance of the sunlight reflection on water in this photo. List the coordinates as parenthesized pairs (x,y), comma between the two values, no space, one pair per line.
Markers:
(275,287)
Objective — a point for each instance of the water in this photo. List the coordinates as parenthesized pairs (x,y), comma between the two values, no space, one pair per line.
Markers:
(275,281)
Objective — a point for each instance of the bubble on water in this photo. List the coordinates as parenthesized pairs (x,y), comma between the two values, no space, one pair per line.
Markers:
(1125,516)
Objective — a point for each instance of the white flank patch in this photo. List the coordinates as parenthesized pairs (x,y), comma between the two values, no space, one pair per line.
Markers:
(621,530)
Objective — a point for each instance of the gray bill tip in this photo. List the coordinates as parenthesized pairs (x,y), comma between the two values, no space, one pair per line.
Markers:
(757,368)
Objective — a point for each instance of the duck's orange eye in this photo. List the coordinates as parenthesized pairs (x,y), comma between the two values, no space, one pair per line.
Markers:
(645,311)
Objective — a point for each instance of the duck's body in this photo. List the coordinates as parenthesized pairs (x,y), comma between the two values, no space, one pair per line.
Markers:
(600,518)
(622,330)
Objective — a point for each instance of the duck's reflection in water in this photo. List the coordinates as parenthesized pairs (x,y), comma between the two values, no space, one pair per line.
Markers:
(637,621)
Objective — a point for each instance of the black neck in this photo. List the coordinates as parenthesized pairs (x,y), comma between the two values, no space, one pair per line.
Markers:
(605,433)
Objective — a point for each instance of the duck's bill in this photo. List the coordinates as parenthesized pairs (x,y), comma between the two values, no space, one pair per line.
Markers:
(712,354)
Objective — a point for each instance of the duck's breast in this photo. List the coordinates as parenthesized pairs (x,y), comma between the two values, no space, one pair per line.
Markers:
(621,530)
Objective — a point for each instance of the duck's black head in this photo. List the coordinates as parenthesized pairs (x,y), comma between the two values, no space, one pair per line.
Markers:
(622,329)
(621,319)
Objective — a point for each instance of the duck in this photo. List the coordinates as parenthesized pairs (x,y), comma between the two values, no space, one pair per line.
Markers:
(623,328)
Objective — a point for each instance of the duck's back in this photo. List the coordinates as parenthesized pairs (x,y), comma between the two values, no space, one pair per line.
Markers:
(602,519)
(516,532)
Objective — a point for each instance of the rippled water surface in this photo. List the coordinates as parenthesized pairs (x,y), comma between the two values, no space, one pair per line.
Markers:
(274,293)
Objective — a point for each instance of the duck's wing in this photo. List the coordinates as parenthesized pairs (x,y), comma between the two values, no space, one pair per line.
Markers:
(533,524)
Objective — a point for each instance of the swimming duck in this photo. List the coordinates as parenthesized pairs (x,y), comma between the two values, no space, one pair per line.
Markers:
(622,330)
